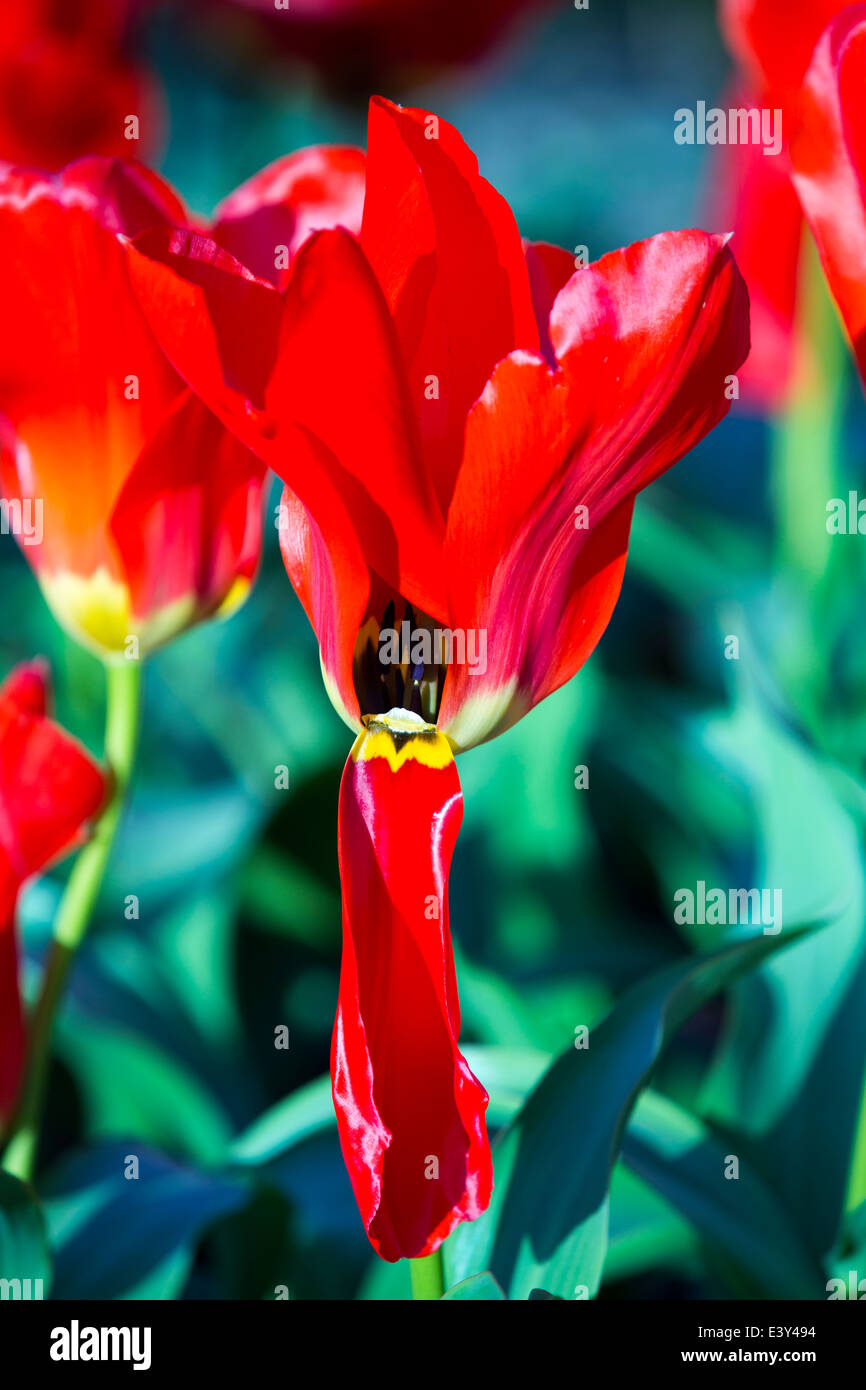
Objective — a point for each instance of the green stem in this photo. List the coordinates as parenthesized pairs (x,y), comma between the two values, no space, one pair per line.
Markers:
(857,1178)
(806,448)
(76,910)
(428,1277)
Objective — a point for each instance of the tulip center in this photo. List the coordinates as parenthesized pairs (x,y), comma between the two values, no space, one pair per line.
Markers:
(400,665)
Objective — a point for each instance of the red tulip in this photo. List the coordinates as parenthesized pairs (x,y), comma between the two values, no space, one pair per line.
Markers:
(361,37)
(829,157)
(139,512)
(463,426)
(68,83)
(49,787)
(773,41)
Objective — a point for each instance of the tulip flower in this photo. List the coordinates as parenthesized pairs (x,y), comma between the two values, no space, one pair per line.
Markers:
(49,787)
(366,37)
(828,152)
(463,424)
(773,41)
(138,511)
(69,83)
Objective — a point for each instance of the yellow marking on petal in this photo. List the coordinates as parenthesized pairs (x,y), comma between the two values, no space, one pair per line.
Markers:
(401,737)
(94,610)
(236,596)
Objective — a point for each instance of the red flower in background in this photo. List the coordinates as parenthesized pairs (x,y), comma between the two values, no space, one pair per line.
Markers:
(463,425)
(144,513)
(828,151)
(353,40)
(773,41)
(68,81)
(49,787)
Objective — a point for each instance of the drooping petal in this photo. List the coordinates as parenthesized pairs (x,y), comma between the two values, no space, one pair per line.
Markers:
(829,157)
(454,277)
(265,221)
(647,340)
(409,1111)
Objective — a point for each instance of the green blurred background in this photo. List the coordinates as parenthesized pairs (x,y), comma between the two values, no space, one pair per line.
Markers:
(740,773)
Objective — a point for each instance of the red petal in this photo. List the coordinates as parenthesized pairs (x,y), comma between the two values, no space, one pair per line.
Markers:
(49,786)
(332,579)
(754,195)
(773,39)
(410,1112)
(448,256)
(286,202)
(645,339)
(550,269)
(217,322)
(220,326)
(188,522)
(27,688)
(339,381)
(829,156)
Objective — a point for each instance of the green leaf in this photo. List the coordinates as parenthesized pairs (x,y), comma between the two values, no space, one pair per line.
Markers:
(753,1239)
(645,1231)
(306,1111)
(131,1086)
(24,1252)
(790,1066)
(119,1236)
(547,1221)
(478,1286)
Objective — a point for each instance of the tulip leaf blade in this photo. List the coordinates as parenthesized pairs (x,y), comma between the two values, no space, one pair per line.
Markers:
(124,1230)
(476,1288)
(547,1222)
(24,1257)
(747,1231)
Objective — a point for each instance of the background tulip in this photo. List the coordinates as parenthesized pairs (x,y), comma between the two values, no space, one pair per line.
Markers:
(49,789)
